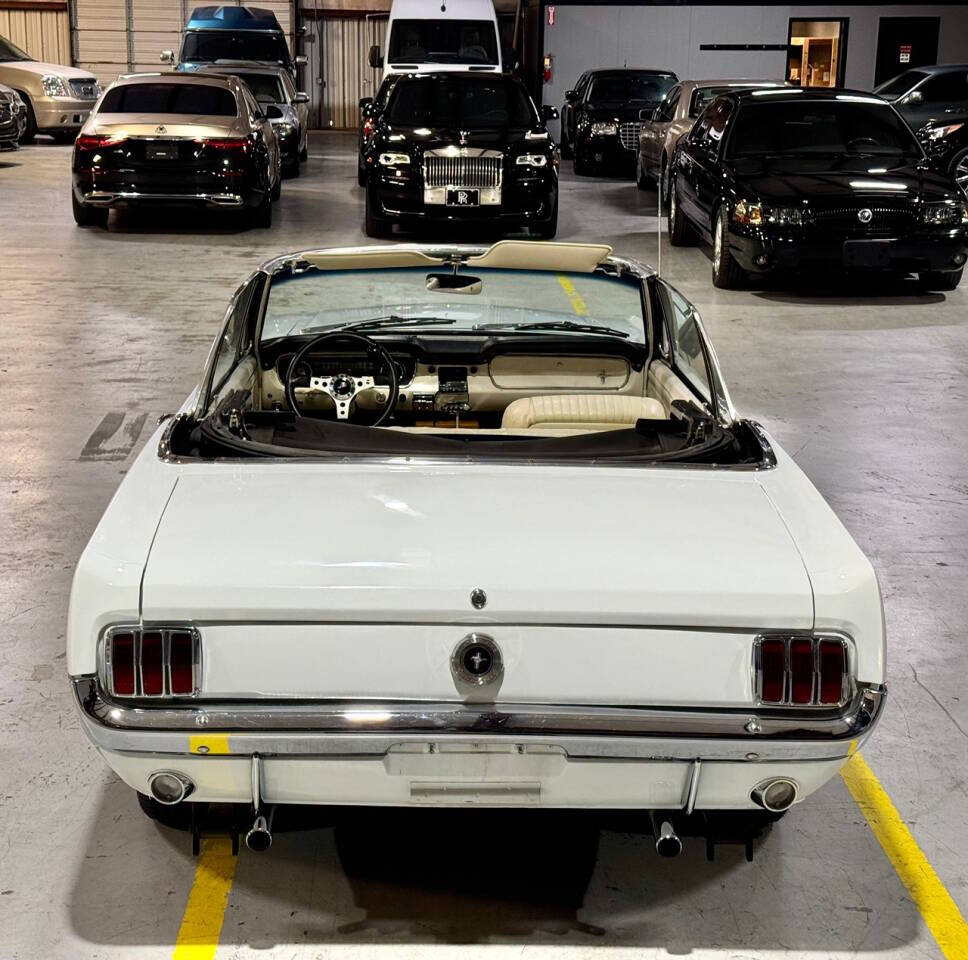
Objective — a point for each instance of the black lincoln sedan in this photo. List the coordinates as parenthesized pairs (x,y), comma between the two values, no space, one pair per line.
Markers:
(461,147)
(798,179)
(601,118)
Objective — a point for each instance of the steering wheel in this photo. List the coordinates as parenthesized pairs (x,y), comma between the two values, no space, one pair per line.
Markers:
(344,387)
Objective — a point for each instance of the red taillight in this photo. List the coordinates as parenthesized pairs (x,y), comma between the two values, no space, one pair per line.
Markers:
(368,126)
(182,662)
(226,143)
(155,662)
(122,664)
(802,671)
(833,667)
(91,141)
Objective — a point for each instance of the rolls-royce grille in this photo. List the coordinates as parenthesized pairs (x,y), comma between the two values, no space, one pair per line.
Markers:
(479,172)
(85,89)
(628,133)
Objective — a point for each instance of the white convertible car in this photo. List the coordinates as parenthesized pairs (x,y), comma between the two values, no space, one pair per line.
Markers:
(462,526)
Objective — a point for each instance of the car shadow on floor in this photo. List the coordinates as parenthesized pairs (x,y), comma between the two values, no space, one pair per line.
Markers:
(162,220)
(819,882)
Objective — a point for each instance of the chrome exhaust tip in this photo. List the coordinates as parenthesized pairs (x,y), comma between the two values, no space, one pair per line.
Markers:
(776,795)
(170,787)
(667,842)
(259,837)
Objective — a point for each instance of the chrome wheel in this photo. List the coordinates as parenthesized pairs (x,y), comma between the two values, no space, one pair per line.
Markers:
(960,173)
(672,207)
(718,244)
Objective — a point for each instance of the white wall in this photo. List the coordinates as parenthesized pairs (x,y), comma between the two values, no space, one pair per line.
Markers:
(669,37)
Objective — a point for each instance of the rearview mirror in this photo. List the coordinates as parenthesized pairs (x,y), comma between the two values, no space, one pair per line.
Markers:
(646,114)
(301,97)
(570,96)
(167,56)
(273,112)
(915,96)
(301,60)
(454,283)
(374,59)
(549,113)
(365,104)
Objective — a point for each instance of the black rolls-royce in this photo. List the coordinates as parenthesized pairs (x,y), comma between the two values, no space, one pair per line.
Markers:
(800,178)
(461,147)
(601,118)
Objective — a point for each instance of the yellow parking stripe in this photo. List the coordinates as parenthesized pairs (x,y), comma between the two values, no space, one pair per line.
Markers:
(202,922)
(939,911)
(574,297)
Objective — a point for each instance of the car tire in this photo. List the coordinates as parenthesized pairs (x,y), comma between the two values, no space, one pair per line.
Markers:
(565,147)
(293,171)
(304,153)
(30,128)
(664,186)
(64,136)
(642,181)
(375,226)
(275,191)
(727,273)
(361,175)
(681,231)
(940,279)
(260,217)
(178,817)
(582,167)
(547,229)
(87,216)
(959,168)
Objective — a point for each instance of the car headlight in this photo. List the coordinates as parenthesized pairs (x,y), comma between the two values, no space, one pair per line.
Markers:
(284,129)
(54,86)
(939,133)
(605,129)
(938,214)
(532,160)
(757,214)
(749,213)
(394,160)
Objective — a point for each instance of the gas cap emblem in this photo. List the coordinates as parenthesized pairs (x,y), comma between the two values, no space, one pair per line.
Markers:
(476,660)
(865,215)
(478,598)
(161,129)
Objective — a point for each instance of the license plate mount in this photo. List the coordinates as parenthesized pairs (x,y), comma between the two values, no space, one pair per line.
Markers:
(462,197)
(161,151)
(867,253)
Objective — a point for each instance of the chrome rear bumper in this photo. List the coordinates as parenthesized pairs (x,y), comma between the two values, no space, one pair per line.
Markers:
(103,198)
(362,728)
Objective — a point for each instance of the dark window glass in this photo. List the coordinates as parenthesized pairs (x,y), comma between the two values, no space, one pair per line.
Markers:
(10,52)
(945,86)
(668,106)
(708,132)
(630,87)
(386,88)
(455,102)
(901,83)
(265,88)
(836,127)
(181,98)
(443,41)
(209,46)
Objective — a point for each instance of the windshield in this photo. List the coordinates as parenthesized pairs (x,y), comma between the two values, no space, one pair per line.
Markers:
(191,99)
(637,87)
(831,127)
(264,86)
(460,103)
(443,41)
(318,300)
(9,52)
(901,83)
(210,46)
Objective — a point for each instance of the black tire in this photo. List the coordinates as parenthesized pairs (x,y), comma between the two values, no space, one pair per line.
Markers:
(30,129)
(727,273)
(260,217)
(86,215)
(664,185)
(293,171)
(547,229)
(582,167)
(565,147)
(361,174)
(304,153)
(178,817)
(681,231)
(375,226)
(64,136)
(940,279)
(642,180)
(275,191)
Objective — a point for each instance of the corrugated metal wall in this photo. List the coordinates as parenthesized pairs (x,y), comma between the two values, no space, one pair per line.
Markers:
(338,58)
(44,34)
(120,36)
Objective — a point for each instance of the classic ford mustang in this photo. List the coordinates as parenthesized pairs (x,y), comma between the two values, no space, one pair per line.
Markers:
(456,525)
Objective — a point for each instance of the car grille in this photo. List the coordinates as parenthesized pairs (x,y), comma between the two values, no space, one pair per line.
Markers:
(85,89)
(628,133)
(886,218)
(480,171)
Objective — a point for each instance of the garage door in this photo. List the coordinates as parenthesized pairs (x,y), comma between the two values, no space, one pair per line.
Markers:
(44,33)
(122,36)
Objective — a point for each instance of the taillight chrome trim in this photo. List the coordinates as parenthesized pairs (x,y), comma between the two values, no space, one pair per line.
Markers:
(848,684)
(137,630)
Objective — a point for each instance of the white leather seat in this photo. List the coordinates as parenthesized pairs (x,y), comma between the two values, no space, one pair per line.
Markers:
(581,411)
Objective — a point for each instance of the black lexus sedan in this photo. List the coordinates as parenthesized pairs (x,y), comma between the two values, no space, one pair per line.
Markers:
(946,144)
(461,147)
(804,178)
(601,118)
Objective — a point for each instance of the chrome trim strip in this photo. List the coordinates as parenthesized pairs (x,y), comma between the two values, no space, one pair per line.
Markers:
(105,198)
(363,728)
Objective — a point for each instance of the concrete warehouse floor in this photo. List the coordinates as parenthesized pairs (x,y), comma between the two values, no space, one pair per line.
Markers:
(104,331)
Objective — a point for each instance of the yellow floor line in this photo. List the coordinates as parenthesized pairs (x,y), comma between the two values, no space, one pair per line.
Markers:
(202,922)
(939,911)
(574,297)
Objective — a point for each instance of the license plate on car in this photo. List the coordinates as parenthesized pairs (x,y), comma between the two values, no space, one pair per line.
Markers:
(161,151)
(867,253)
(459,197)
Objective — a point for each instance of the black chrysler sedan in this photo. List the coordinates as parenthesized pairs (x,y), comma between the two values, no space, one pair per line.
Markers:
(461,147)
(801,178)
(946,144)
(601,118)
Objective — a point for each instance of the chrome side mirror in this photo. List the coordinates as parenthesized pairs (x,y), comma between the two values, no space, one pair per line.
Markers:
(167,56)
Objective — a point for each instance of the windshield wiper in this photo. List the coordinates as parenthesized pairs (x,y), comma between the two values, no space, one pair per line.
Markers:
(555,325)
(375,323)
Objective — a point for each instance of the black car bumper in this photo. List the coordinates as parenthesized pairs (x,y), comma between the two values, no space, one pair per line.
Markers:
(606,152)
(765,253)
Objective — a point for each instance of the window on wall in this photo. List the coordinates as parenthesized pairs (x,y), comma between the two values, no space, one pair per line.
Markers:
(817,52)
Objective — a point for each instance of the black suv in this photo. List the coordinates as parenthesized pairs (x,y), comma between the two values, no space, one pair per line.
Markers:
(462,147)
(791,179)
(601,118)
